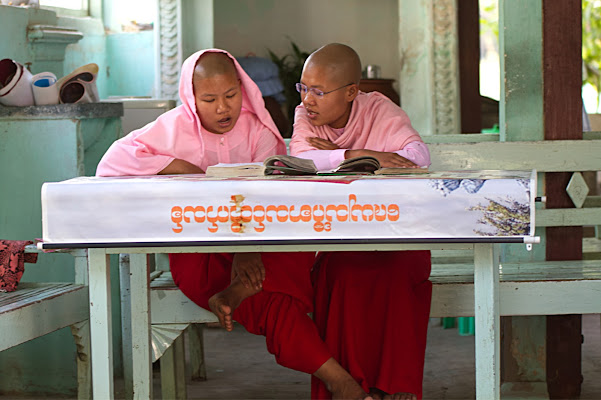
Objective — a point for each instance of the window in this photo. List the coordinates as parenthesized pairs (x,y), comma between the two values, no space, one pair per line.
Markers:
(68,7)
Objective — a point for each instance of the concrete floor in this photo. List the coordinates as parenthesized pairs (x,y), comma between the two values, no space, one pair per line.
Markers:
(239,367)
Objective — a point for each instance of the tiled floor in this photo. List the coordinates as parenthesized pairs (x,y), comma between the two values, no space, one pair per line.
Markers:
(239,367)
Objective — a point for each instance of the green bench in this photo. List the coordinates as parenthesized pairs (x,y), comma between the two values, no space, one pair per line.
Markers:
(37,309)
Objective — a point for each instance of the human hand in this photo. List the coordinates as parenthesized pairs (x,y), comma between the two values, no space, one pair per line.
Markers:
(178,166)
(386,159)
(249,268)
(321,144)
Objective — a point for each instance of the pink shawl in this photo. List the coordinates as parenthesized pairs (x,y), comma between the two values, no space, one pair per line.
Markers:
(375,123)
(179,134)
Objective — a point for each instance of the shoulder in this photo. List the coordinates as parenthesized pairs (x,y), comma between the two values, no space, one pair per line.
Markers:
(375,106)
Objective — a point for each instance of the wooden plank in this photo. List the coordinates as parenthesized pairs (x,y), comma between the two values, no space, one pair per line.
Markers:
(562,99)
(171,306)
(462,138)
(521,298)
(41,317)
(468,32)
(568,217)
(30,293)
(549,156)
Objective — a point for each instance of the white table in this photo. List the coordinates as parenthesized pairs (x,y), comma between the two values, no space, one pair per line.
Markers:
(65,200)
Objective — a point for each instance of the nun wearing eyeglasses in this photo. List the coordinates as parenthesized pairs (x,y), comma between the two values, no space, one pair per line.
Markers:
(371,308)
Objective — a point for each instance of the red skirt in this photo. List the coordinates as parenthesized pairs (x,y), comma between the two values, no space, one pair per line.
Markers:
(278,312)
(372,311)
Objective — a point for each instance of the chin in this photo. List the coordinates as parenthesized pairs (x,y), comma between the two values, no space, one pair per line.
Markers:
(317,122)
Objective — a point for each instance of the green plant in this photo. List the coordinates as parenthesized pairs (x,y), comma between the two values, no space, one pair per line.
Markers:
(591,44)
(290,67)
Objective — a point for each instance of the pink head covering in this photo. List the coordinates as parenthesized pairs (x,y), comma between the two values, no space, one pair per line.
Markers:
(178,132)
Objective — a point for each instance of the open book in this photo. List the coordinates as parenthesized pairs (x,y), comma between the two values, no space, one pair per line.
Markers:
(291,165)
(223,170)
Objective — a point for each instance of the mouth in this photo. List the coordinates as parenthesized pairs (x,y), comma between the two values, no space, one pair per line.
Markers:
(224,122)
(312,114)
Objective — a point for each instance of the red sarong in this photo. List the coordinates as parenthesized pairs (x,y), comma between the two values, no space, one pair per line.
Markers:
(278,312)
(372,311)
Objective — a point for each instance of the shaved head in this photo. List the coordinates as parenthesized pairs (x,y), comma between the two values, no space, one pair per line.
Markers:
(340,61)
(211,64)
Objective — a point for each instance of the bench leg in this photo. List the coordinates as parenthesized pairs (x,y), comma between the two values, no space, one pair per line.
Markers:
(488,321)
(197,352)
(81,334)
(101,340)
(173,371)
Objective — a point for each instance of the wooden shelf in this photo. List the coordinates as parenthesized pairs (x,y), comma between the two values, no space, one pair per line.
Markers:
(383,86)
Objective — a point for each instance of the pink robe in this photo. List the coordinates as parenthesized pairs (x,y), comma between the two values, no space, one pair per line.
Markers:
(279,312)
(371,308)
(375,123)
(178,133)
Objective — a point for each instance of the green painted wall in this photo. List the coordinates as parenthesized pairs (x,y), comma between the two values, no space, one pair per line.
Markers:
(34,151)
(13,25)
(126,75)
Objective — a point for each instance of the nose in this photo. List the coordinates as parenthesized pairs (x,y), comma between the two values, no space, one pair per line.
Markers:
(222,106)
(308,97)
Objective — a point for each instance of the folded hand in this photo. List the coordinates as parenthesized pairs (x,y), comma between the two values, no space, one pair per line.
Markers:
(321,144)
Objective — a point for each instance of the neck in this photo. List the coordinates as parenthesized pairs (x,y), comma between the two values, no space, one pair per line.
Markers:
(343,120)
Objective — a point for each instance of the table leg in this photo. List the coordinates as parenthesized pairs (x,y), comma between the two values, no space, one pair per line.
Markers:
(125,295)
(101,333)
(140,326)
(488,338)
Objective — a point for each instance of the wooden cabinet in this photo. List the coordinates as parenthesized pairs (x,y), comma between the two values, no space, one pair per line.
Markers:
(383,86)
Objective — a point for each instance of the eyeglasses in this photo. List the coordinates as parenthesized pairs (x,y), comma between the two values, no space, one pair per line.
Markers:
(303,89)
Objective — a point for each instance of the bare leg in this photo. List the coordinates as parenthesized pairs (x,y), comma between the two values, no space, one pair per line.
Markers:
(340,382)
(225,302)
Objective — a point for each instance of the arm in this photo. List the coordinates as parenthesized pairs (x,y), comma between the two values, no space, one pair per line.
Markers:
(414,154)
(177,167)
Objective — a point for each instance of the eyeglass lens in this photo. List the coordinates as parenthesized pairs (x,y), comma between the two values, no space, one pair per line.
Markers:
(301,88)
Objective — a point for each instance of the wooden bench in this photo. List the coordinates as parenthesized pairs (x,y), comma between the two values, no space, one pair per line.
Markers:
(536,288)
(37,309)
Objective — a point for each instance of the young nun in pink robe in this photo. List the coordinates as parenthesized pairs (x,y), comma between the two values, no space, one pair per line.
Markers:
(371,308)
(222,119)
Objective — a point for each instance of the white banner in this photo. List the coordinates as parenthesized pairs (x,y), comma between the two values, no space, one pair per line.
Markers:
(437,205)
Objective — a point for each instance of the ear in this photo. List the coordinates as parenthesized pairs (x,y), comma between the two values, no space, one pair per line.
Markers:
(351,92)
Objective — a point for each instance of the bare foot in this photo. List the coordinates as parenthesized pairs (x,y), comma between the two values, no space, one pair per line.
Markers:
(225,302)
(350,390)
(400,396)
(339,382)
